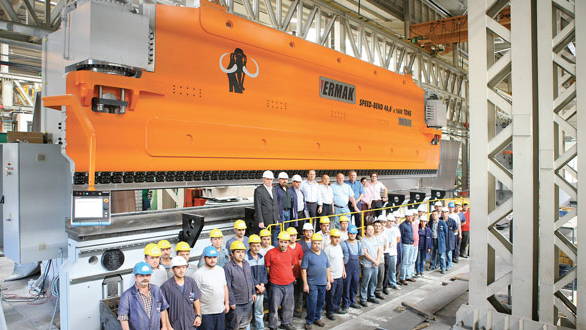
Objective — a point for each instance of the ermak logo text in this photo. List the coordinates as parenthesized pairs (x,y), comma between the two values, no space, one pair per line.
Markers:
(336,90)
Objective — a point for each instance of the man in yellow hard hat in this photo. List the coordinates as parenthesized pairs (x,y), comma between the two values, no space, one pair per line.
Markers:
(165,247)
(239,231)
(259,272)
(241,290)
(217,241)
(152,256)
(324,225)
(182,249)
(317,278)
(279,262)
(344,223)
(336,260)
(266,244)
(297,251)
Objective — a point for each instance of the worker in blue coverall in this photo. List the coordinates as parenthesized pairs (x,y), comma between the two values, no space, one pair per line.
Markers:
(352,249)
(143,306)
(446,239)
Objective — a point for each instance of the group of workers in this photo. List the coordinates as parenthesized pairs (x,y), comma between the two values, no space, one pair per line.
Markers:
(332,269)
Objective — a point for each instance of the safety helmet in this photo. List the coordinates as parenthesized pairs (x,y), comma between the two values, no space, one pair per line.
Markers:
(283,175)
(210,251)
(268,175)
(334,232)
(178,261)
(307,226)
(237,245)
(265,233)
(445,209)
(254,239)
(296,178)
(391,217)
(292,231)
(352,230)
(182,247)
(317,237)
(164,244)
(284,236)
(451,204)
(152,250)
(344,219)
(239,224)
(142,268)
(324,220)
(216,233)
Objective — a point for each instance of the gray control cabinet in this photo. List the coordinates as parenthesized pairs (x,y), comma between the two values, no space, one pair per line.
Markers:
(36,182)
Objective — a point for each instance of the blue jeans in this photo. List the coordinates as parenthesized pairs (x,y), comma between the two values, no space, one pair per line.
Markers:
(446,260)
(414,254)
(336,220)
(368,284)
(334,296)
(390,271)
(315,302)
(420,264)
(406,257)
(258,321)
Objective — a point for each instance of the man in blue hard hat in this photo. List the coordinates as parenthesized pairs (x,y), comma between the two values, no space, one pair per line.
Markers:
(211,281)
(143,306)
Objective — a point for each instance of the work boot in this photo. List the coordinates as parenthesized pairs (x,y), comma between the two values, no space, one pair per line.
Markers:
(411,280)
(307,326)
(342,311)
(373,300)
(386,291)
(330,316)
(396,287)
(319,323)
(403,282)
(363,303)
(379,296)
(355,306)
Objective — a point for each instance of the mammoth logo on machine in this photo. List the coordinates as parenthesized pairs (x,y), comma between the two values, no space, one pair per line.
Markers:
(236,70)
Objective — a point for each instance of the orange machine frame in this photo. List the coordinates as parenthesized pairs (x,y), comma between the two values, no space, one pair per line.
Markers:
(183,117)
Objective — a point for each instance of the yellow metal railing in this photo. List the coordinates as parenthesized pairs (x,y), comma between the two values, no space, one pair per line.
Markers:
(363,212)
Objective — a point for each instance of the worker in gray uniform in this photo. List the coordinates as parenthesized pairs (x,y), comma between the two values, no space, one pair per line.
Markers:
(182,295)
(241,290)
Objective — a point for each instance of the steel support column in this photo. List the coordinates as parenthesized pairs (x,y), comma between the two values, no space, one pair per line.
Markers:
(580,36)
(546,124)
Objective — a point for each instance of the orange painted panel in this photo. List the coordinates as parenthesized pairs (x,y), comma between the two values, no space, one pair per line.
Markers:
(194,113)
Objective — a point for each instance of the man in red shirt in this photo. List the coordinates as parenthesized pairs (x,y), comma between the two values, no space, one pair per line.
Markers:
(279,263)
(465,231)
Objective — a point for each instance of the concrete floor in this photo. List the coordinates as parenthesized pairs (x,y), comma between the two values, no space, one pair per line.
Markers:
(23,315)
(29,316)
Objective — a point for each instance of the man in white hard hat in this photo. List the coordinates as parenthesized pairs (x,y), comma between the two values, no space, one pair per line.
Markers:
(182,295)
(298,200)
(266,210)
(438,206)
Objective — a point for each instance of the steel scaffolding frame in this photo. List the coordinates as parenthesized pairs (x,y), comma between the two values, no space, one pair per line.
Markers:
(546,127)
